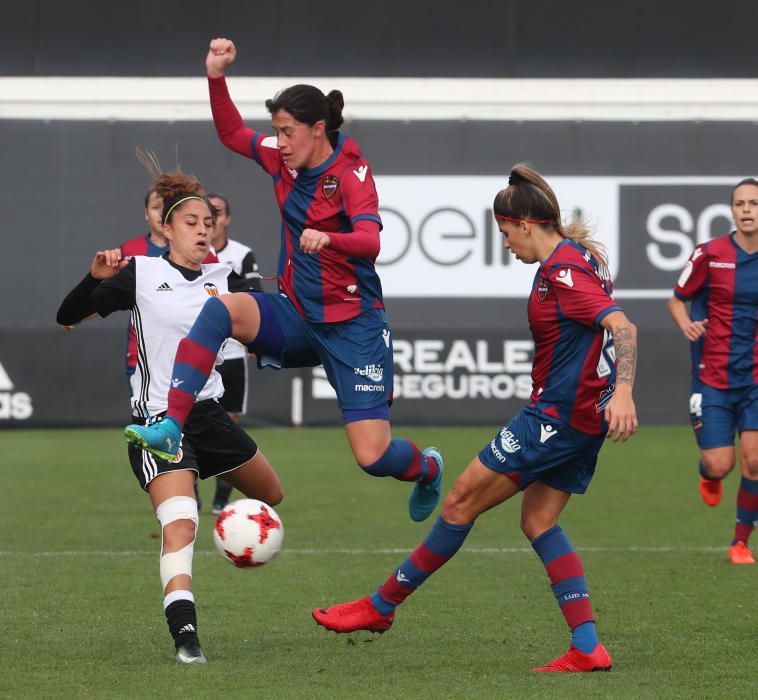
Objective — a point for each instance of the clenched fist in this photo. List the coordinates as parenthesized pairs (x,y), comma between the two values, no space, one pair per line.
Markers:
(221,53)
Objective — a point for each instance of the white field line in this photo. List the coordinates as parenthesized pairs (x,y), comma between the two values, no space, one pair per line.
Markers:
(360,552)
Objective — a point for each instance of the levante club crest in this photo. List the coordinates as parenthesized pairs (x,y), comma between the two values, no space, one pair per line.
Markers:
(542,289)
(329,185)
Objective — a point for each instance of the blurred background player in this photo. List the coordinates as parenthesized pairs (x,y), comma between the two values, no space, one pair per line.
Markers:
(153,244)
(725,271)
(330,311)
(164,295)
(233,371)
(582,375)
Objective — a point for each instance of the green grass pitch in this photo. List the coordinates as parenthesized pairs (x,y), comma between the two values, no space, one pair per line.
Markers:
(80,598)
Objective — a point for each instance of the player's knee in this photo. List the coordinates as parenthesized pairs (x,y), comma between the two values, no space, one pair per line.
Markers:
(456,508)
(274,495)
(534,524)
(178,534)
(179,519)
(718,467)
(369,457)
(749,462)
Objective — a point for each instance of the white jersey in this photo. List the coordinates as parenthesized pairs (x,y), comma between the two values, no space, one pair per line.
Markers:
(233,254)
(166,305)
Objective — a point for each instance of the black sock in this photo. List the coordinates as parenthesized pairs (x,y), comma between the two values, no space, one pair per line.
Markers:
(223,491)
(182,621)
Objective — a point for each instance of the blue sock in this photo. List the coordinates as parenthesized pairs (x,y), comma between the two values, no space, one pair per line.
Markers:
(566,574)
(440,545)
(584,637)
(405,462)
(196,357)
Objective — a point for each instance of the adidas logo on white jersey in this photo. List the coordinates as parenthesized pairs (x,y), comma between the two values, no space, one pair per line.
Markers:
(165,287)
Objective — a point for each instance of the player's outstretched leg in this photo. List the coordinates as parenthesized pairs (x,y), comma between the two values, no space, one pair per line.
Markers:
(195,358)
(570,589)
(376,612)
(747,515)
(710,488)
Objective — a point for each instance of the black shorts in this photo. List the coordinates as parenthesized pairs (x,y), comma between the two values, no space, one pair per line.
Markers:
(234,375)
(212,444)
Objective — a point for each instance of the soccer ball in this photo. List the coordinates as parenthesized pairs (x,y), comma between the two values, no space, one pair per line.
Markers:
(248,533)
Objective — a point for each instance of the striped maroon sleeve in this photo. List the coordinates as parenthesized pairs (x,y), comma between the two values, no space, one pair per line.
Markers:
(362,242)
(230,128)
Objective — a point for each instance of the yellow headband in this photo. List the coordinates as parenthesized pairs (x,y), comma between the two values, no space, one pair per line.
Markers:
(178,202)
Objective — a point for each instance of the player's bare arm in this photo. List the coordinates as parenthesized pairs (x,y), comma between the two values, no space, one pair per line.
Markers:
(221,53)
(620,413)
(692,330)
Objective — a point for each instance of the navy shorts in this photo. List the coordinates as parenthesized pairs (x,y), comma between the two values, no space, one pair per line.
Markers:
(536,447)
(356,354)
(696,408)
(726,412)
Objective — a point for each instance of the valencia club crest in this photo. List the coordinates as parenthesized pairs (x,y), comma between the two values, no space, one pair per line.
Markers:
(329,185)
(542,289)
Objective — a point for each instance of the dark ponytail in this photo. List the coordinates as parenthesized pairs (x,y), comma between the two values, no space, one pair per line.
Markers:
(308,104)
(529,197)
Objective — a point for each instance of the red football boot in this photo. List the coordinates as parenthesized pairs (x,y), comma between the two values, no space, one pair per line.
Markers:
(710,491)
(739,553)
(356,615)
(577,661)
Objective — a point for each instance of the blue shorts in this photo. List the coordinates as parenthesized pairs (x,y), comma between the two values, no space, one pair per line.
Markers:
(726,412)
(536,447)
(696,408)
(356,354)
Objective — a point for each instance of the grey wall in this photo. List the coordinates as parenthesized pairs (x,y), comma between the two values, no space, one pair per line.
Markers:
(69,188)
(517,38)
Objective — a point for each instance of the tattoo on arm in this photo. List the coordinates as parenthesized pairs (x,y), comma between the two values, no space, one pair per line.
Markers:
(625,344)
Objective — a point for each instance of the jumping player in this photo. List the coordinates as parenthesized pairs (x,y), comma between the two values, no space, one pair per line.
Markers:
(330,310)
(725,272)
(165,295)
(582,376)
(233,371)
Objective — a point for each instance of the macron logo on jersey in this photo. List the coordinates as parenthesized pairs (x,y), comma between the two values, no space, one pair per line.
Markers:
(361,172)
(565,277)
(697,253)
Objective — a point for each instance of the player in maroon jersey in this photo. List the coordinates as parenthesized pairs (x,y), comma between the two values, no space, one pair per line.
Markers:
(724,271)
(330,310)
(582,375)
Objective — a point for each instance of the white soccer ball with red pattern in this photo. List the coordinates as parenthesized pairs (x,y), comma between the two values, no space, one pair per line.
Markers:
(248,533)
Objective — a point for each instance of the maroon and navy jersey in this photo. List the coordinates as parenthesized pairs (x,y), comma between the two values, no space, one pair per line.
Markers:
(333,197)
(338,197)
(574,368)
(727,277)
